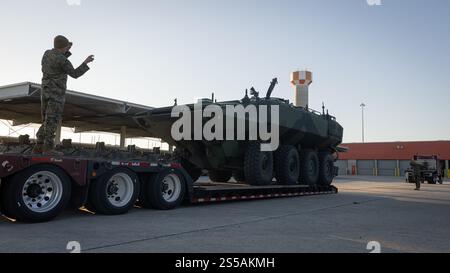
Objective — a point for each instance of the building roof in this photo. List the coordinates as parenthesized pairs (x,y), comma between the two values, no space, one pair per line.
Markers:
(21,104)
(396,150)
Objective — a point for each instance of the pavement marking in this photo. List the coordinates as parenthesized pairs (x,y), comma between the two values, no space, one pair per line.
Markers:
(386,245)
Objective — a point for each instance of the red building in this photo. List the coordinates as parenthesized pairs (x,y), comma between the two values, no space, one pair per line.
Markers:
(390,158)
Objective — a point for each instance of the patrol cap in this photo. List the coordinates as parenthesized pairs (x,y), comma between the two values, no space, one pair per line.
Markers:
(61,42)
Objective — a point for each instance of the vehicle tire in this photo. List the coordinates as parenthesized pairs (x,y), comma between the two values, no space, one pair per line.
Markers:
(193,171)
(115,192)
(258,165)
(3,197)
(239,176)
(309,167)
(164,191)
(220,175)
(326,169)
(287,165)
(37,194)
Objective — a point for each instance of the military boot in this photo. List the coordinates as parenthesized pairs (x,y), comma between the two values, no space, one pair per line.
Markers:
(38,149)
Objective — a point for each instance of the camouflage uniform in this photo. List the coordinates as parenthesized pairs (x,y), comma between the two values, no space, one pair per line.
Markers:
(417,168)
(55,67)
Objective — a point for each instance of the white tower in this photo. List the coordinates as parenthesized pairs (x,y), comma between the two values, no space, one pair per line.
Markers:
(301,81)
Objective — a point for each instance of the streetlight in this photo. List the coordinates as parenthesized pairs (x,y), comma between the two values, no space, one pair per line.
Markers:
(362,112)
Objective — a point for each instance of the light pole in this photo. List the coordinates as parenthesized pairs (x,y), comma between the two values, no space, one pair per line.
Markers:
(362,113)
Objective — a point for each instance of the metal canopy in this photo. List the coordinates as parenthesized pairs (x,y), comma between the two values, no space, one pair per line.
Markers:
(86,113)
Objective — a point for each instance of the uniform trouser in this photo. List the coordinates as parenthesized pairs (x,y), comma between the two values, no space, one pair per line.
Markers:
(52,108)
(418,182)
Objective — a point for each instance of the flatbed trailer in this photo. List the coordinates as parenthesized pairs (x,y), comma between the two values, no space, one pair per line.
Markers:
(36,188)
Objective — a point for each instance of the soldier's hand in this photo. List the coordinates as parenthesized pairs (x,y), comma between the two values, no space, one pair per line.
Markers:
(89,59)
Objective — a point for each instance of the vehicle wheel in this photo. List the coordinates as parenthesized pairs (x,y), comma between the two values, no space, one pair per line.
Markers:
(287,165)
(309,167)
(258,165)
(193,171)
(326,167)
(164,191)
(37,194)
(115,192)
(239,176)
(219,175)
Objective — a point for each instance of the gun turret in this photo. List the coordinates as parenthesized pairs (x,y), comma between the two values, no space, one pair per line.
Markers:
(272,86)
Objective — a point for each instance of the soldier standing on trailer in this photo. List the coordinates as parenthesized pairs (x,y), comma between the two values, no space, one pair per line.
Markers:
(55,68)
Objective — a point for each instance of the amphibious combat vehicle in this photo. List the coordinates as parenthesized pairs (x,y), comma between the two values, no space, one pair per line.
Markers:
(308,143)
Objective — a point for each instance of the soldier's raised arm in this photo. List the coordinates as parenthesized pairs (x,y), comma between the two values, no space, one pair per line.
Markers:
(68,68)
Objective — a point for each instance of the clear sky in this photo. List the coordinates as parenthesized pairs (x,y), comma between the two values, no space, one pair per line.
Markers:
(394,57)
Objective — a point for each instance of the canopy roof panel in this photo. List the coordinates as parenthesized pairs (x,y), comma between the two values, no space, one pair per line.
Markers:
(84,112)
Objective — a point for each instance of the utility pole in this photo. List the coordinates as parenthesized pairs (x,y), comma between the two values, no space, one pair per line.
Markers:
(362,113)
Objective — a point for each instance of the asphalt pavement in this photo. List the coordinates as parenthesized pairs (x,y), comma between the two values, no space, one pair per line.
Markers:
(382,211)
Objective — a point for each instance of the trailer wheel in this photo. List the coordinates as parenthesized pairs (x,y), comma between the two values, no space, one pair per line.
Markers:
(220,175)
(309,167)
(37,194)
(164,191)
(115,192)
(258,165)
(239,176)
(287,165)
(326,167)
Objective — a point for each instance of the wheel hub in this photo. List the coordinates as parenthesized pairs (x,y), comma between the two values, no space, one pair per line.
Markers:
(171,188)
(34,190)
(42,191)
(165,187)
(119,189)
(113,189)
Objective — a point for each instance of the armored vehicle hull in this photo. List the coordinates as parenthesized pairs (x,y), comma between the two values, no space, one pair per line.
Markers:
(308,143)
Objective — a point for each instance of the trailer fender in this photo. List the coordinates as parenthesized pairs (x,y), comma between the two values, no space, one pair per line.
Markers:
(189,183)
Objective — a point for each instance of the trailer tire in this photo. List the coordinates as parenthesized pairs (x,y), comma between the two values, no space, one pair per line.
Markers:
(326,169)
(239,176)
(287,165)
(37,194)
(164,191)
(258,165)
(3,197)
(220,175)
(309,167)
(115,192)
